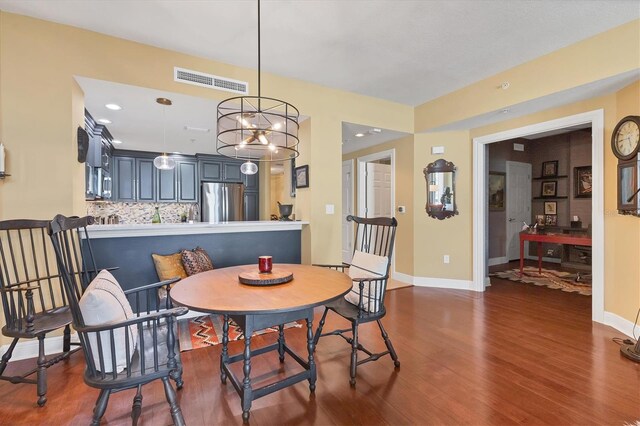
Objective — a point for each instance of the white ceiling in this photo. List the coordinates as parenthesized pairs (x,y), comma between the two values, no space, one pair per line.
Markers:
(140,123)
(371,136)
(404,51)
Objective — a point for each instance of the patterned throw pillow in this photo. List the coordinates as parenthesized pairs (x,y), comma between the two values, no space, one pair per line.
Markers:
(196,261)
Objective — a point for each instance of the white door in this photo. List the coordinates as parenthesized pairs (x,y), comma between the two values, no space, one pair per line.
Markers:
(378,190)
(518,209)
(347,209)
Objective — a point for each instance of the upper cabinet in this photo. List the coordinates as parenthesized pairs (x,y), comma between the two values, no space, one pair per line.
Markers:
(125,179)
(187,172)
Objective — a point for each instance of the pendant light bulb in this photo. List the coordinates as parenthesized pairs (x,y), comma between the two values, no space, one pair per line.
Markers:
(263,139)
(164,162)
(249,168)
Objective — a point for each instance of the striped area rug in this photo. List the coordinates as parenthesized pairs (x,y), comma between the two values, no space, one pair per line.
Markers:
(205,331)
(551,278)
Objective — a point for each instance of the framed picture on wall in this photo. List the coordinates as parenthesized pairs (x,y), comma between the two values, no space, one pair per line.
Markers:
(540,219)
(582,182)
(549,188)
(497,191)
(550,207)
(302,176)
(550,168)
(551,220)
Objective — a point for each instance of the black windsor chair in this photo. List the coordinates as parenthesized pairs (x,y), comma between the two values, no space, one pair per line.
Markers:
(374,236)
(155,354)
(33,299)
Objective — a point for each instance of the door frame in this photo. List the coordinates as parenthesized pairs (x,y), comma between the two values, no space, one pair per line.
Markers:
(480,211)
(506,219)
(352,189)
(362,193)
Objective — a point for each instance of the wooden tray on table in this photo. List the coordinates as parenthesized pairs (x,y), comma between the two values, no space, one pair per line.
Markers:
(276,276)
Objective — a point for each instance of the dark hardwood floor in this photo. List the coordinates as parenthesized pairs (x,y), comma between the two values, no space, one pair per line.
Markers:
(517,354)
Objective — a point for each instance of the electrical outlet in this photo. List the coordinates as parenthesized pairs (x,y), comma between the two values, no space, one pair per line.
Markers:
(329,208)
(445,258)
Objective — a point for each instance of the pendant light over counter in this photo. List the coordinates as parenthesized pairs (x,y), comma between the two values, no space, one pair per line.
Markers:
(164,162)
(257,128)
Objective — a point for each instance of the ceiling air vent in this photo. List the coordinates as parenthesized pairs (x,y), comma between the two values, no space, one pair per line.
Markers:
(196,78)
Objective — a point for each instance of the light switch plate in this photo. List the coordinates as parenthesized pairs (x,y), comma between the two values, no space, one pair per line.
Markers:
(329,208)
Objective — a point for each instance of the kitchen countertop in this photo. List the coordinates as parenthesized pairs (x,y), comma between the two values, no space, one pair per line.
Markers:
(147,230)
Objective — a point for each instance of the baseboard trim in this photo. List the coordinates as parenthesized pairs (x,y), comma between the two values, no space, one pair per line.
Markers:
(399,276)
(443,283)
(622,325)
(26,349)
(498,261)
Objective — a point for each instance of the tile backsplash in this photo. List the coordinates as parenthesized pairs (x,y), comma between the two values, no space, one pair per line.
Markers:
(139,212)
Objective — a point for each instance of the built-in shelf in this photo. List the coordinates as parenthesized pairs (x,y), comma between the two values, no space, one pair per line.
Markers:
(550,177)
(550,198)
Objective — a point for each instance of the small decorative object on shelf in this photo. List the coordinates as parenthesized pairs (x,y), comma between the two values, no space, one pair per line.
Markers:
(551,220)
(156,216)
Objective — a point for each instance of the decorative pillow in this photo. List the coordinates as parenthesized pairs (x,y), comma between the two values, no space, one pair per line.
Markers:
(104,302)
(196,261)
(169,266)
(365,265)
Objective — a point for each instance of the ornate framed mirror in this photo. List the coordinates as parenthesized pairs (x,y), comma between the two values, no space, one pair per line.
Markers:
(441,189)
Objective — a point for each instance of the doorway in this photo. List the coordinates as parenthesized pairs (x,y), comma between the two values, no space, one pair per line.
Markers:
(347,209)
(480,195)
(376,183)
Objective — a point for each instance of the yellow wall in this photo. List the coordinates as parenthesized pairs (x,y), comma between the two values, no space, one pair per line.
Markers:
(403,193)
(435,238)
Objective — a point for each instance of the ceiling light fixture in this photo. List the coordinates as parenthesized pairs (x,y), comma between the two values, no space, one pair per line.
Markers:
(164,162)
(257,128)
(113,107)
(359,135)
(104,121)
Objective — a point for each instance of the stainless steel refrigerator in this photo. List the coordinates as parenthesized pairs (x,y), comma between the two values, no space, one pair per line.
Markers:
(222,202)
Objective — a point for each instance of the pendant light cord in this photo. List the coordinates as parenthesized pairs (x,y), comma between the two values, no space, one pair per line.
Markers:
(258,54)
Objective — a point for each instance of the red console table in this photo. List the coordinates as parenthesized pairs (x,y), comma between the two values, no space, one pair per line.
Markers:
(581,240)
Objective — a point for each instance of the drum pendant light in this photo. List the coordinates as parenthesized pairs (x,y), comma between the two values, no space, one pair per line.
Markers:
(257,128)
(164,162)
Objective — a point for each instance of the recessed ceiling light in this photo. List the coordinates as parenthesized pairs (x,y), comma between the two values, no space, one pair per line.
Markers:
(359,135)
(197,129)
(116,141)
(104,121)
(113,107)
(376,130)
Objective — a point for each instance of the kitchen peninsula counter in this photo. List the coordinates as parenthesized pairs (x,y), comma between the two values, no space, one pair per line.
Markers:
(158,229)
(129,246)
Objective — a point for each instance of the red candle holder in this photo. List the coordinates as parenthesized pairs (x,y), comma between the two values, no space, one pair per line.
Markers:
(265,264)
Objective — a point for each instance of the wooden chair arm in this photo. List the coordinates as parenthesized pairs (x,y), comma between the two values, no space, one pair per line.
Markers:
(173,312)
(152,286)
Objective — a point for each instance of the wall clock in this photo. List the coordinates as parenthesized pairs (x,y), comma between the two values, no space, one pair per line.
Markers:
(626,138)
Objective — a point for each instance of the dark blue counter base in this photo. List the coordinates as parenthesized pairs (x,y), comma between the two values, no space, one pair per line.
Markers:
(133,254)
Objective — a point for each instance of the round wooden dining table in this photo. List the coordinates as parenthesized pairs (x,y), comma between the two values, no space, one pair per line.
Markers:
(254,308)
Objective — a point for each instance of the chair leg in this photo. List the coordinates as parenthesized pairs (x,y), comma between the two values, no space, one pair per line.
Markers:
(387,342)
(354,353)
(319,330)
(176,413)
(66,342)
(42,372)
(137,406)
(101,407)
(176,375)
(7,355)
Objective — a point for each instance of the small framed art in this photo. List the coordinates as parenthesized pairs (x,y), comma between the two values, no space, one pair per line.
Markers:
(551,220)
(549,188)
(302,176)
(550,207)
(550,168)
(582,182)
